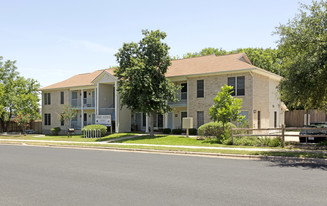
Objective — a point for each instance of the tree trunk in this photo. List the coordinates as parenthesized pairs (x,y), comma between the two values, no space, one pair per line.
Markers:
(151,120)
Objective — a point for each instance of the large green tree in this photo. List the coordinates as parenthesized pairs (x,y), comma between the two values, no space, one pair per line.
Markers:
(226,108)
(142,84)
(303,42)
(20,95)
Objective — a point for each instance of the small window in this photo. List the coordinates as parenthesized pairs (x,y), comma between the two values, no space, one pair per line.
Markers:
(200,88)
(47,119)
(200,118)
(184,91)
(47,98)
(259,120)
(62,100)
(62,121)
(74,95)
(238,84)
(275,119)
(231,82)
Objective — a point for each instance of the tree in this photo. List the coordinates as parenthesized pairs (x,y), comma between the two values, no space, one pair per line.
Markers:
(142,84)
(20,95)
(303,42)
(23,120)
(2,92)
(67,114)
(226,108)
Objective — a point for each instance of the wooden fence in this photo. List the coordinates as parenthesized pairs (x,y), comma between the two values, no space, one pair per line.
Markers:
(35,125)
(296,118)
(246,132)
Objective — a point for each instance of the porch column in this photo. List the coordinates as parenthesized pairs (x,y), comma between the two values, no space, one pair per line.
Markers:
(82,109)
(147,123)
(166,120)
(97,98)
(116,109)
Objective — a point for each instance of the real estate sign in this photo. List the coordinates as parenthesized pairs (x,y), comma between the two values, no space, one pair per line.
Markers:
(103,119)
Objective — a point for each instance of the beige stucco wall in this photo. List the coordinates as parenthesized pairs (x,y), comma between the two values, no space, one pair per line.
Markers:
(106,98)
(212,85)
(54,108)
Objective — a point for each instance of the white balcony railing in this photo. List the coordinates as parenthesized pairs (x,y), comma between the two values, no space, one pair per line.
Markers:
(108,111)
(182,100)
(87,103)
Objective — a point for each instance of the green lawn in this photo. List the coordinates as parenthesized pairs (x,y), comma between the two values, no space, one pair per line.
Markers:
(178,140)
(77,138)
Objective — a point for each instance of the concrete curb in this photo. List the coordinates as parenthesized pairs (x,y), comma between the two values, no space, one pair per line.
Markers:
(218,155)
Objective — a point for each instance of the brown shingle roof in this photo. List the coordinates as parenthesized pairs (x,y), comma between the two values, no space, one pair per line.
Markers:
(208,64)
(181,67)
(78,80)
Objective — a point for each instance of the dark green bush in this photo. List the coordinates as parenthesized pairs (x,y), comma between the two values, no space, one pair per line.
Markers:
(215,130)
(176,131)
(166,130)
(96,127)
(55,131)
(192,131)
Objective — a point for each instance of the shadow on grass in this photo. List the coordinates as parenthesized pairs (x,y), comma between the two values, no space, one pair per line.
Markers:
(147,137)
(296,163)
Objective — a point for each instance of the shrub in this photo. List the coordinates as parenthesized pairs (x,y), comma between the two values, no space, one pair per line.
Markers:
(55,131)
(275,142)
(246,141)
(255,141)
(192,131)
(176,131)
(96,127)
(215,130)
(166,130)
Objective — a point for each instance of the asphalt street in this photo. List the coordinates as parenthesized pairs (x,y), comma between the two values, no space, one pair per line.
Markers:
(31,175)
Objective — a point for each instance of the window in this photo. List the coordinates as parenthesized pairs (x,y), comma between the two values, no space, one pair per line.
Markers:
(200,118)
(62,100)
(47,98)
(47,119)
(259,120)
(275,119)
(62,121)
(144,119)
(246,115)
(85,117)
(238,84)
(200,88)
(184,91)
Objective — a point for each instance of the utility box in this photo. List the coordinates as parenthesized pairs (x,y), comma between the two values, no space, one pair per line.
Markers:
(187,122)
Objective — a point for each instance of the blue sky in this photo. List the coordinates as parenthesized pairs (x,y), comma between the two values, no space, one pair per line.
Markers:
(53,40)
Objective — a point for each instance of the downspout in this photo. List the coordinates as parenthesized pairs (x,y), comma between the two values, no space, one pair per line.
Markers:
(252,97)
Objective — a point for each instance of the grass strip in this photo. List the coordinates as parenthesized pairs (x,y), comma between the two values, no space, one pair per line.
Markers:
(209,151)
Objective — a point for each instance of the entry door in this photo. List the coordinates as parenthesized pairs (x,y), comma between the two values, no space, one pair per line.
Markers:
(183,114)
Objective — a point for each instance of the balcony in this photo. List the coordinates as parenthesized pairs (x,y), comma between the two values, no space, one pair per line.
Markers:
(88,103)
(182,100)
(108,111)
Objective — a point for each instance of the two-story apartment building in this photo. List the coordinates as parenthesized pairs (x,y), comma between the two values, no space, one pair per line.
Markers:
(200,77)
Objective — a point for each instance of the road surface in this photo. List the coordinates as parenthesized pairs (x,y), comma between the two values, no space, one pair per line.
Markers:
(31,175)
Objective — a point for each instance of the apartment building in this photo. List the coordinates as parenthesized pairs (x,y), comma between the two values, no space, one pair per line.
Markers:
(200,78)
